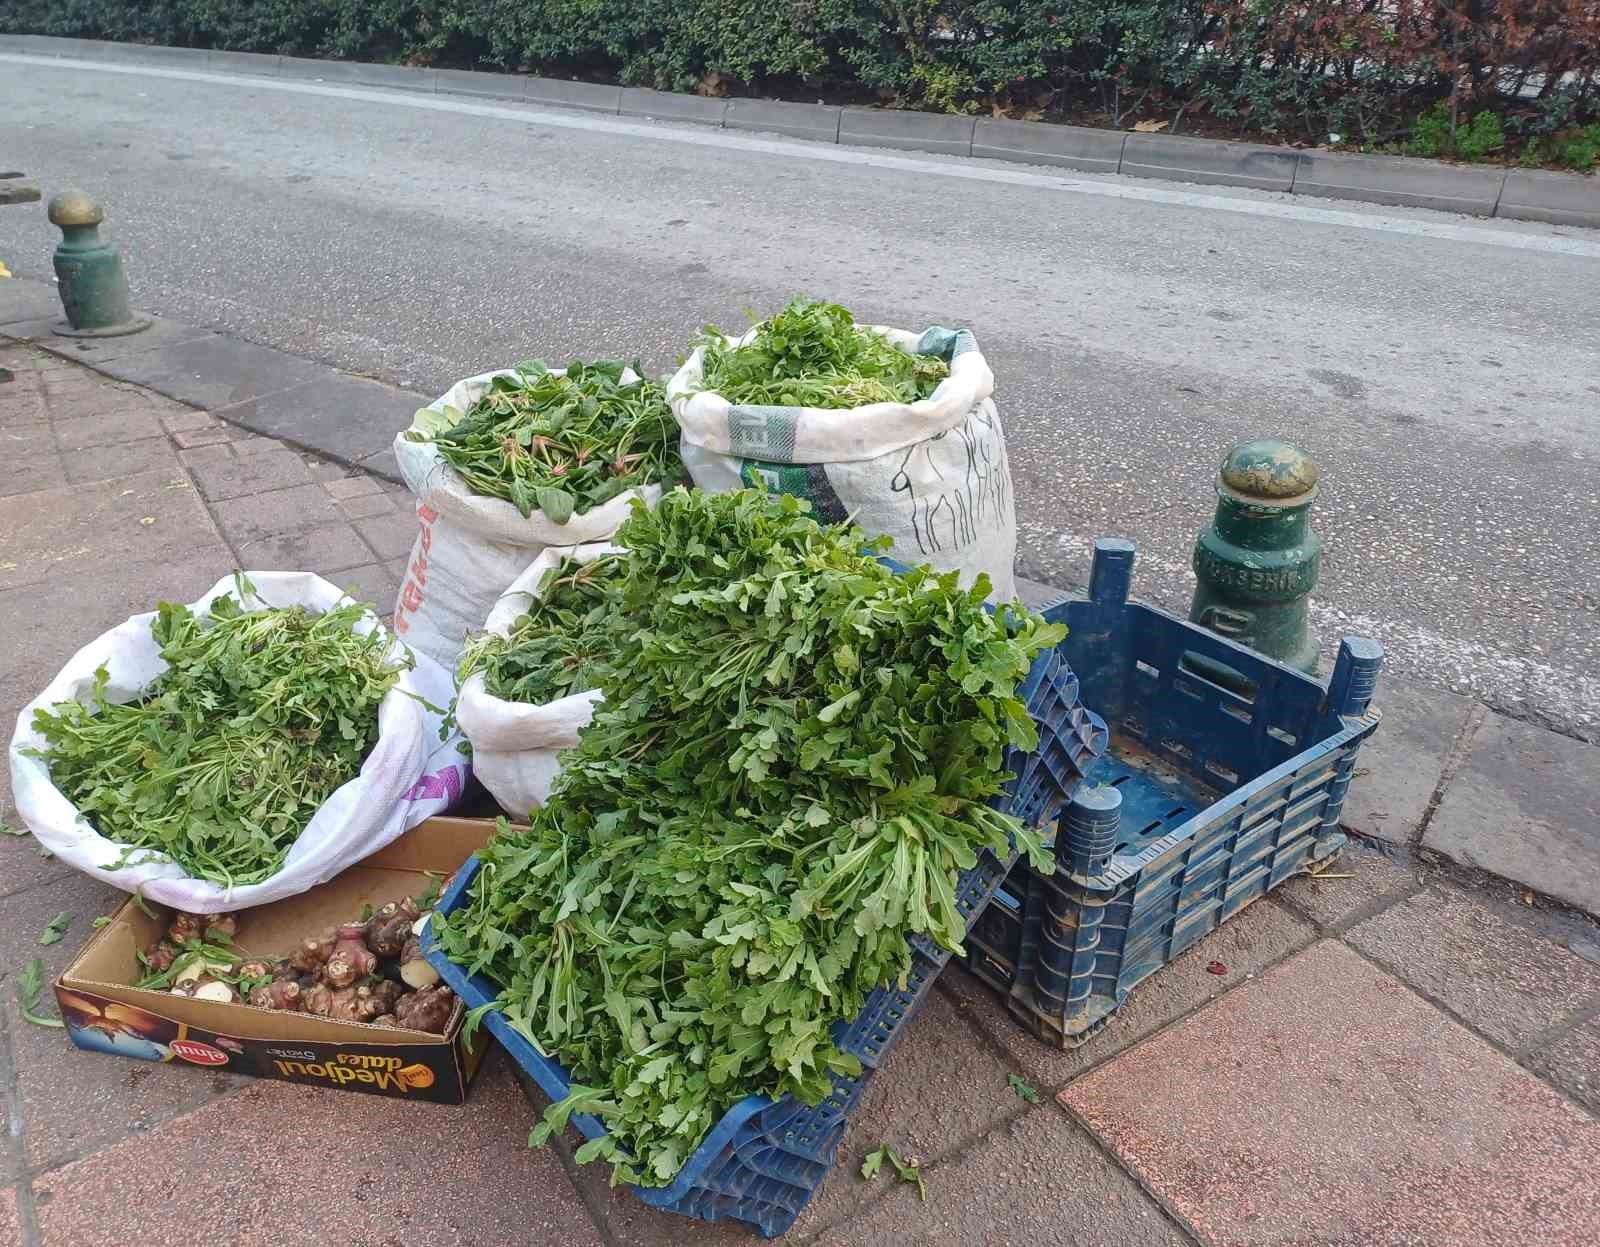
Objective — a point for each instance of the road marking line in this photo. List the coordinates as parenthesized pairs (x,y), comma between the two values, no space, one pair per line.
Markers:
(977,170)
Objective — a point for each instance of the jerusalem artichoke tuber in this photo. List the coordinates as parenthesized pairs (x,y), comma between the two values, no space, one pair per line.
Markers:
(350,959)
(314,951)
(426,1010)
(281,994)
(414,967)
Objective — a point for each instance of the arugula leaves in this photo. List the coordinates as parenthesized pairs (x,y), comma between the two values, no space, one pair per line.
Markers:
(55,929)
(792,763)
(1023,1089)
(30,983)
(812,354)
(223,759)
(562,444)
(558,648)
(905,1171)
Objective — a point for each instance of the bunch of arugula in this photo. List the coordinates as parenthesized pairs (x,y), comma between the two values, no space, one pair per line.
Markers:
(560,444)
(223,759)
(791,765)
(813,354)
(558,648)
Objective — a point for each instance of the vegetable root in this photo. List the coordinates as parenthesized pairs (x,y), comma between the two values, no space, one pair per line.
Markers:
(426,1010)
(414,967)
(350,959)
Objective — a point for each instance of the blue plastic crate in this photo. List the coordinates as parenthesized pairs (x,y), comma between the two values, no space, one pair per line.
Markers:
(765,1159)
(1232,770)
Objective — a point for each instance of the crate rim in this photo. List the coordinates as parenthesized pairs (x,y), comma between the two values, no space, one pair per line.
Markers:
(1125,866)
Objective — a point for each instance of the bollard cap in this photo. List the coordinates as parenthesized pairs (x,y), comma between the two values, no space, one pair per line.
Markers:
(74,207)
(1268,473)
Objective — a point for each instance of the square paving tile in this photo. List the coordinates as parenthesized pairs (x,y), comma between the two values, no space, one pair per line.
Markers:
(34,472)
(1363,878)
(1327,1103)
(113,427)
(1040,1179)
(390,536)
(260,516)
(276,468)
(1525,805)
(1573,1064)
(1399,765)
(51,534)
(268,1165)
(1509,982)
(326,549)
(111,462)
(371,584)
(1246,944)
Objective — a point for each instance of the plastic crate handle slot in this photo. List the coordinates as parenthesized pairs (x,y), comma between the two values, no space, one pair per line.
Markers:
(1355,676)
(1218,675)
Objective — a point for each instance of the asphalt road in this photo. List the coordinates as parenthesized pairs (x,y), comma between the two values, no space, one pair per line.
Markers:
(1444,372)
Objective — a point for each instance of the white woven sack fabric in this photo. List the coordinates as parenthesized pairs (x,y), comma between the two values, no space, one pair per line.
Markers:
(411,774)
(468,547)
(516,745)
(932,474)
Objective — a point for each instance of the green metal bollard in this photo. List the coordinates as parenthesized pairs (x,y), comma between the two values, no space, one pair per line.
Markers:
(1257,562)
(94,290)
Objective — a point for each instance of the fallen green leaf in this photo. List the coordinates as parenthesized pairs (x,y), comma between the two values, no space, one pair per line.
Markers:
(29,984)
(1023,1088)
(56,928)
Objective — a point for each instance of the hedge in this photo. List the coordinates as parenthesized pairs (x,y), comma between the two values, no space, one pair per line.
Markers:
(1295,69)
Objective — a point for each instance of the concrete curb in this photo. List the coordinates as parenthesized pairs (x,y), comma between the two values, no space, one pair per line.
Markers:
(1556,198)
(1442,775)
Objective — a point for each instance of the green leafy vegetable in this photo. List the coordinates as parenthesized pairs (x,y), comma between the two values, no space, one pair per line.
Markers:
(29,984)
(6,829)
(812,354)
(221,762)
(562,444)
(559,647)
(791,765)
(908,1173)
(1023,1088)
(55,930)
(104,920)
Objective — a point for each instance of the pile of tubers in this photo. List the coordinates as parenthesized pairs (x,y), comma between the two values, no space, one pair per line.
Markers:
(370,970)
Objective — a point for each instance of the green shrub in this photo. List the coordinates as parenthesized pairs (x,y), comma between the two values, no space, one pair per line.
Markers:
(1474,140)
(1579,149)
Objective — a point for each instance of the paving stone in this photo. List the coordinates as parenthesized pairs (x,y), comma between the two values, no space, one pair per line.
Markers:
(21,299)
(346,487)
(186,421)
(255,474)
(218,452)
(54,533)
(1525,806)
(1400,764)
(10,1220)
(323,550)
(1509,982)
(328,470)
(1040,1179)
(367,506)
(1573,1064)
(389,535)
(104,463)
(94,351)
(214,372)
(938,1048)
(281,511)
(24,476)
(73,1101)
(1330,899)
(345,418)
(249,444)
(210,436)
(370,583)
(22,402)
(27,442)
(1247,943)
(110,428)
(381,1163)
(1326,1103)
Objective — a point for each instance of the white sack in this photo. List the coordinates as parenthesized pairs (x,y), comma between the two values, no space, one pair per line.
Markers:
(410,774)
(468,547)
(515,745)
(932,474)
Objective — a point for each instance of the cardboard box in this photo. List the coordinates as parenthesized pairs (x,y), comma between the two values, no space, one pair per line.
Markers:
(105,1013)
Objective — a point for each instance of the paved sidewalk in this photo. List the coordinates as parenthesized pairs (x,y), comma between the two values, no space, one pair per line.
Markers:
(1403,1051)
